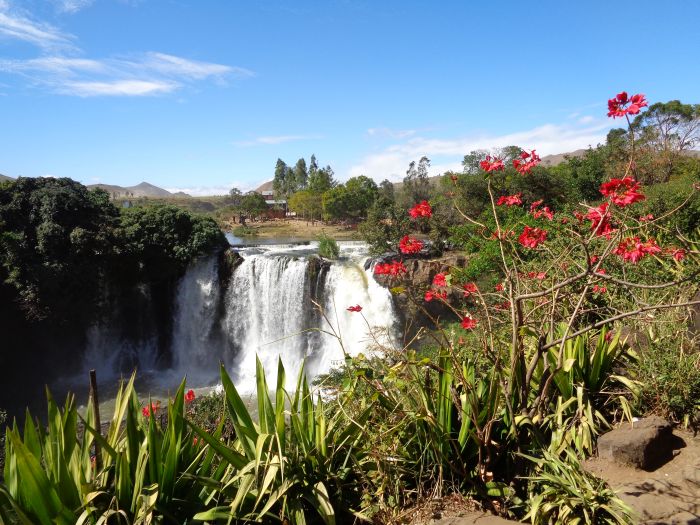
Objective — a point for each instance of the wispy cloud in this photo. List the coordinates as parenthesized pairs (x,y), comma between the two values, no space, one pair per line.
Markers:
(274,139)
(72,6)
(205,191)
(17,24)
(137,74)
(447,153)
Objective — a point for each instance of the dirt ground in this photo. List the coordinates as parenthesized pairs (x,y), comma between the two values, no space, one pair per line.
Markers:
(297,229)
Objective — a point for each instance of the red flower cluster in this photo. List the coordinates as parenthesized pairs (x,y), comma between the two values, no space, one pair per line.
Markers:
(356,308)
(599,289)
(526,162)
(489,165)
(532,237)
(537,212)
(410,245)
(510,200)
(392,268)
(499,287)
(435,294)
(646,218)
(468,322)
(633,250)
(537,275)
(622,192)
(622,105)
(677,253)
(150,410)
(189,396)
(422,209)
(470,288)
(440,280)
(600,221)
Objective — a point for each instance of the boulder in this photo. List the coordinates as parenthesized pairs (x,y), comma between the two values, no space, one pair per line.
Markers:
(647,443)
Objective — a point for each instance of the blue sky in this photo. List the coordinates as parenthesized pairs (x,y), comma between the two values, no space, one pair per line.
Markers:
(204,95)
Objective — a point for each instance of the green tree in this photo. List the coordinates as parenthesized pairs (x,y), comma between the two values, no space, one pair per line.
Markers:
(386,191)
(300,175)
(336,203)
(56,237)
(416,186)
(279,183)
(321,180)
(668,129)
(384,227)
(306,205)
(253,204)
(361,194)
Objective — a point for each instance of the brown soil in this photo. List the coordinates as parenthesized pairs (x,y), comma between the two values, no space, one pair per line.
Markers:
(297,229)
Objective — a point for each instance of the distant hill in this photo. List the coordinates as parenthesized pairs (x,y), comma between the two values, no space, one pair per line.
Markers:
(553,160)
(3,178)
(140,190)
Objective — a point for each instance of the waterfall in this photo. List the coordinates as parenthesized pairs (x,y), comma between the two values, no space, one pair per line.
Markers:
(266,311)
(269,311)
(196,345)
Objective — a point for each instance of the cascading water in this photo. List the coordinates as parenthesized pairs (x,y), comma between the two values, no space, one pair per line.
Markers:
(267,310)
(197,345)
(270,313)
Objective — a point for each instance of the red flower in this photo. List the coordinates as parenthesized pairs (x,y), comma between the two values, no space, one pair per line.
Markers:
(599,289)
(356,308)
(454,178)
(499,287)
(468,322)
(633,250)
(435,294)
(489,165)
(600,220)
(622,192)
(421,209)
(510,200)
(526,162)
(189,396)
(410,245)
(150,410)
(645,218)
(532,237)
(678,253)
(537,213)
(393,268)
(440,280)
(505,305)
(537,275)
(622,105)
(564,220)
(469,289)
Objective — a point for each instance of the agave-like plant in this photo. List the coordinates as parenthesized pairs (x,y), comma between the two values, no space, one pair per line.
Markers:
(289,465)
(149,473)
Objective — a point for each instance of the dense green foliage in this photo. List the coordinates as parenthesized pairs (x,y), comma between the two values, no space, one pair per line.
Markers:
(61,242)
(328,247)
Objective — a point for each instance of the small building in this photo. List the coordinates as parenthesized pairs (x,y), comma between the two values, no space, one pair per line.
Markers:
(277,208)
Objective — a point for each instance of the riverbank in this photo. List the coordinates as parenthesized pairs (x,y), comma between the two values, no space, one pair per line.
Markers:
(297,228)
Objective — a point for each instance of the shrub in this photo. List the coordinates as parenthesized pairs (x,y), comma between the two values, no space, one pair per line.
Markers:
(328,247)
(244,231)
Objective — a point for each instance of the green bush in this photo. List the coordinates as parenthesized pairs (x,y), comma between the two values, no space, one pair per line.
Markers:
(328,247)
(244,231)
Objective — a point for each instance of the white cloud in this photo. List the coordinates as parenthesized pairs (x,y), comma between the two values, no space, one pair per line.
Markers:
(72,6)
(274,139)
(16,24)
(587,119)
(447,153)
(207,191)
(117,88)
(144,74)
(138,74)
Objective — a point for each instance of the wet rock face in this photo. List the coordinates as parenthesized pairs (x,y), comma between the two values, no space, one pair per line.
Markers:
(646,444)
